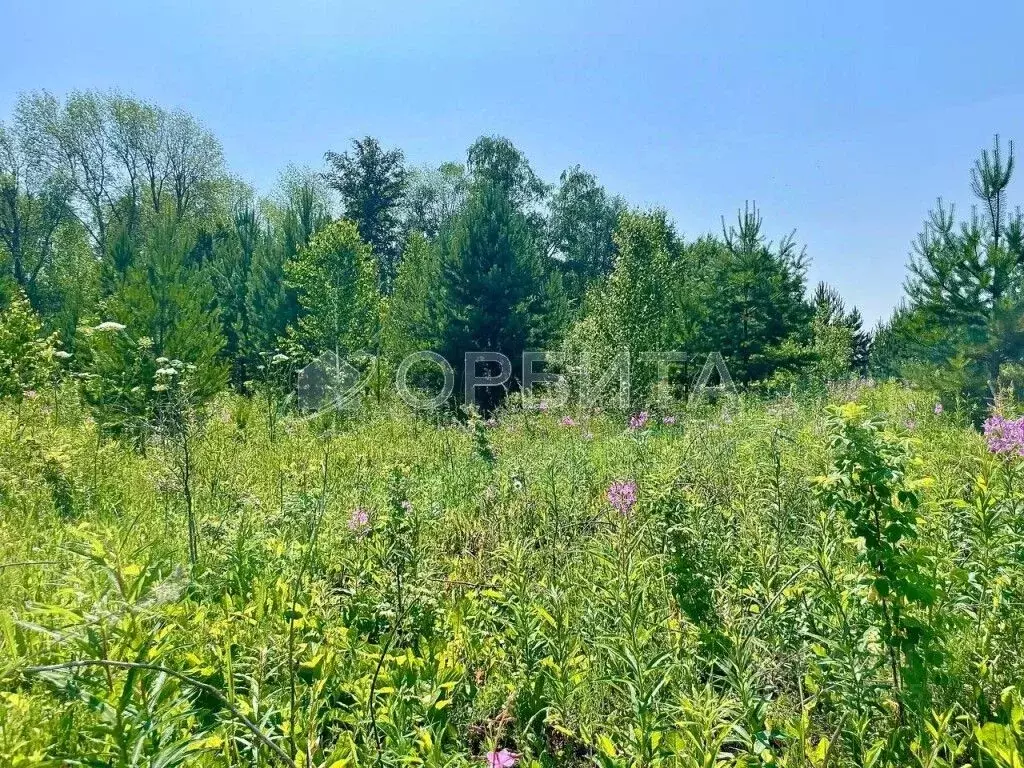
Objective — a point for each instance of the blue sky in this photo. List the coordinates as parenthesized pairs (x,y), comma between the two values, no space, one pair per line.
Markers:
(843,121)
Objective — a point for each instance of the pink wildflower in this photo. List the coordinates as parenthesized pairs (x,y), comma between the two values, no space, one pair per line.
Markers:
(1005,435)
(669,421)
(622,496)
(568,421)
(542,406)
(359,519)
(938,409)
(502,759)
(638,420)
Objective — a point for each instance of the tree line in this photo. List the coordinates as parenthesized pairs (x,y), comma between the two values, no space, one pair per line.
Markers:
(126,244)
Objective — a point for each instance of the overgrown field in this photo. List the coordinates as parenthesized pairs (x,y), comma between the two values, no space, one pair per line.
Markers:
(773,582)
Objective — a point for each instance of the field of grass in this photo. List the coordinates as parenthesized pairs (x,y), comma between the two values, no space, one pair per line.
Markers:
(769,583)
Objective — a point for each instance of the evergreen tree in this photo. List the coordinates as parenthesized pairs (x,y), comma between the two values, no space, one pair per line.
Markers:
(413,322)
(171,303)
(968,279)
(234,255)
(497,294)
(757,300)
(371,182)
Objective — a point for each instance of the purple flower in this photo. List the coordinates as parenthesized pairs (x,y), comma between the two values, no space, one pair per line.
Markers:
(938,409)
(669,421)
(359,519)
(639,420)
(501,759)
(622,495)
(568,421)
(1005,435)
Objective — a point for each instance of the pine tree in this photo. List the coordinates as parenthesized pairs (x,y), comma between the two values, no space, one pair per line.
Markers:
(234,253)
(497,294)
(757,300)
(171,303)
(969,278)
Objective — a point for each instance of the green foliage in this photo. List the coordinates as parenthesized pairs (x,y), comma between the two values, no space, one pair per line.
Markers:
(756,299)
(171,303)
(868,483)
(630,315)
(412,322)
(335,279)
(371,182)
(965,282)
(407,592)
(497,295)
(27,353)
(580,228)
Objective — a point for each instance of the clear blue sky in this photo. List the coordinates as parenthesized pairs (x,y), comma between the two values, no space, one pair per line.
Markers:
(843,121)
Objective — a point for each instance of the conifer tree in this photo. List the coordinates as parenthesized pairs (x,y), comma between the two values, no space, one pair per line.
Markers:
(968,277)
(498,296)
(234,254)
(757,300)
(171,303)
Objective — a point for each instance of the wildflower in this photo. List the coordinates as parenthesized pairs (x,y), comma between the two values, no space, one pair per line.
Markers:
(109,325)
(911,424)
(639,420)
(622,496)
(60,354)
(669,421)
(938,409)
(407,505)
(491,423)
(279,358)
(542,406)
(30,394)
(1005,435)
(588,435)
(166,371)
(501,759)
(568,421)
(359,519)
